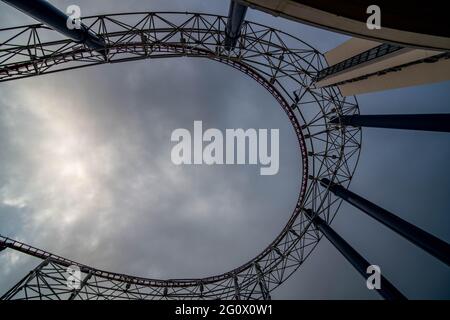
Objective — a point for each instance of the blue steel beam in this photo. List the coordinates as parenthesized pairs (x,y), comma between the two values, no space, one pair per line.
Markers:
(387,289)
(46,13)
(431,244)
(236,16)
(439,122)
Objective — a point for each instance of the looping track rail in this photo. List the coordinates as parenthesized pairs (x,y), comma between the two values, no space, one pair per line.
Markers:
(281,63)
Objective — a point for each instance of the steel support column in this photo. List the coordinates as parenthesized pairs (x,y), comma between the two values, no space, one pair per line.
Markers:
(262,284)
(51,16)
(431,244)
(424,122)
(237,292)
(236,16)
(387,290)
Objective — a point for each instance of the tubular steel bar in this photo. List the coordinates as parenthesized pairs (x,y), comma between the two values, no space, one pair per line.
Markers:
(424,122)
(431,244)
(387,290)
(236,16)
(45,12)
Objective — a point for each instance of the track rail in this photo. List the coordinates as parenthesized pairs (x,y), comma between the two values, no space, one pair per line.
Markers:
(284,65)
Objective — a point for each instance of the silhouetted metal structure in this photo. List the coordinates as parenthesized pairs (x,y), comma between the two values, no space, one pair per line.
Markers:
(387,290)
(426,241)
(327,126)
(46,13)
(283,64)
(236,16)
(423,122)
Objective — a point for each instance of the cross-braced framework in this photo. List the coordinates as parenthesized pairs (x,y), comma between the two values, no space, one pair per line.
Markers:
(283,64)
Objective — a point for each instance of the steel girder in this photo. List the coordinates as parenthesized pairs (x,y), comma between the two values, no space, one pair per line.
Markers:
(284,65)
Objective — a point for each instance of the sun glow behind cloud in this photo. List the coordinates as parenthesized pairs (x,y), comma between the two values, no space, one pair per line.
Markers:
(64,164)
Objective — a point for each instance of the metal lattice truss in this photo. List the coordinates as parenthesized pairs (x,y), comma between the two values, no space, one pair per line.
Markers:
(283,64)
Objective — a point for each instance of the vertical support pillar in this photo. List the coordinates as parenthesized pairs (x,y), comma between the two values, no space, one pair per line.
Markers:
(423,122)
(262,283)
(431,244)
(201,288)
(237,291)
(387,290)
(236,16)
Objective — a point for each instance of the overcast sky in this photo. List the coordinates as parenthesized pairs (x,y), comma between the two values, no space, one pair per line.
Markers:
(85,171)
